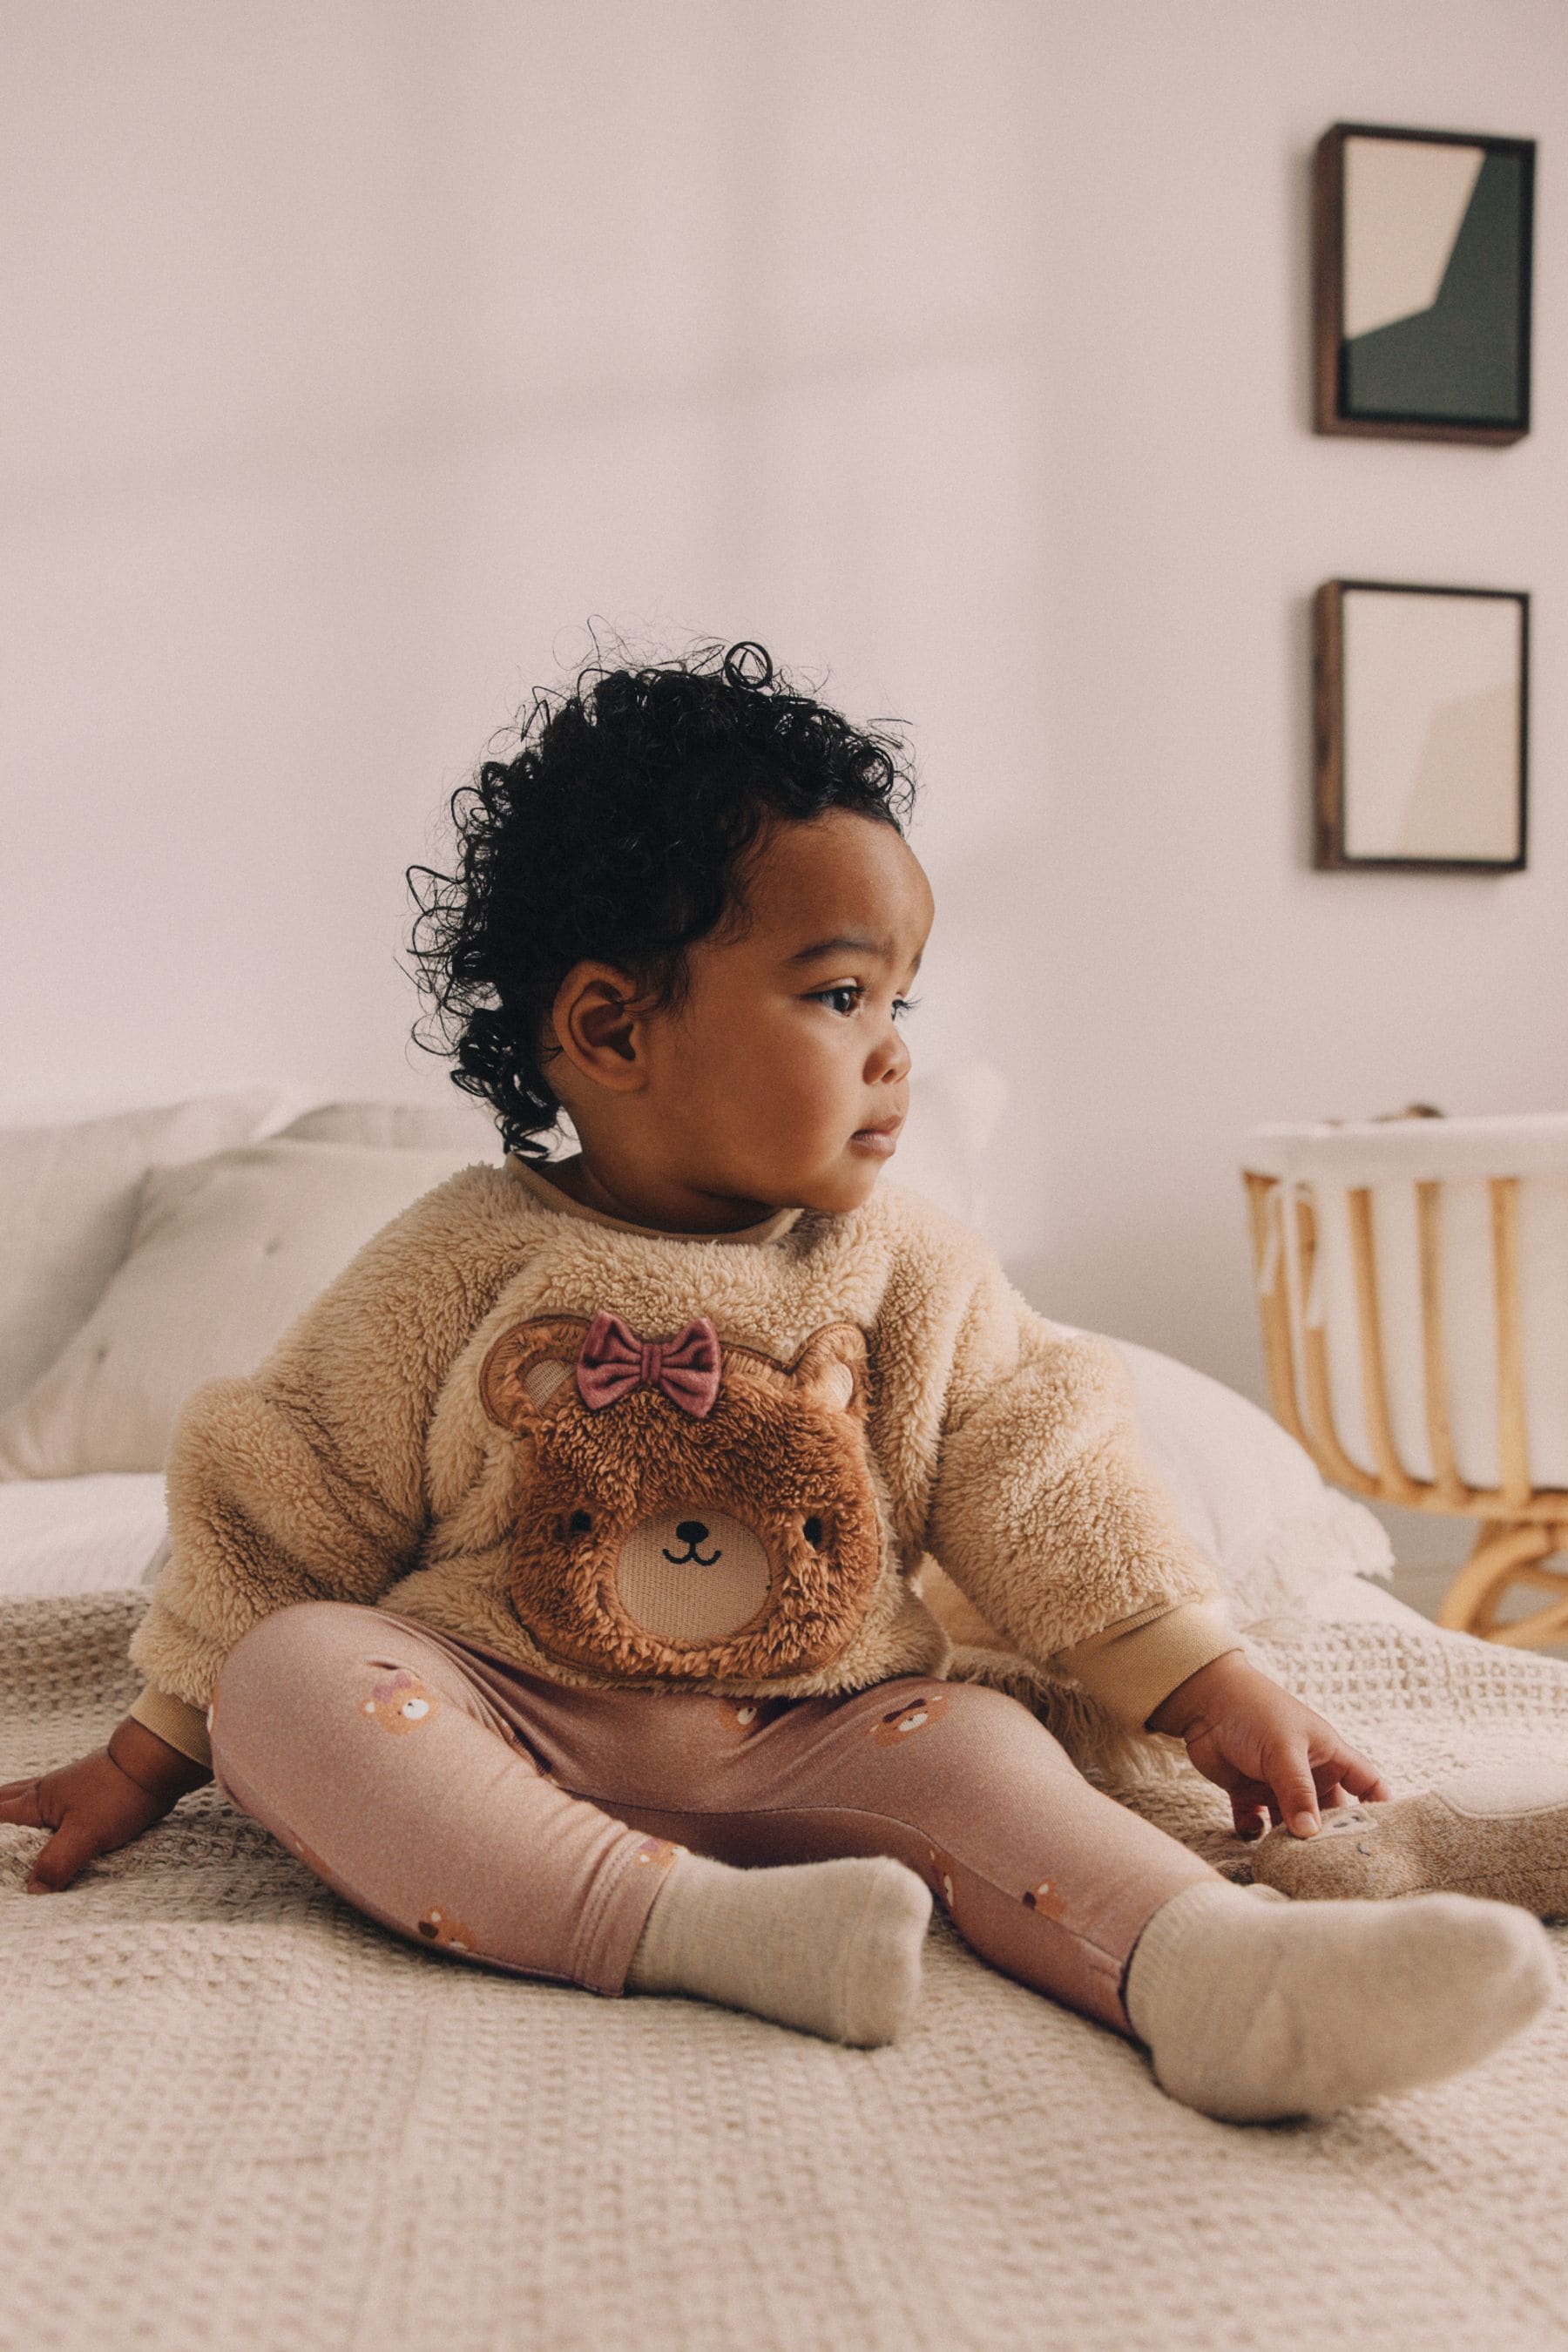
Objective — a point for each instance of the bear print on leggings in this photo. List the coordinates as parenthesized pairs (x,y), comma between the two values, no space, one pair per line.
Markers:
(401,1703)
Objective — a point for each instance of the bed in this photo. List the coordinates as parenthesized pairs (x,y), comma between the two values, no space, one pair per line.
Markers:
(236,2113)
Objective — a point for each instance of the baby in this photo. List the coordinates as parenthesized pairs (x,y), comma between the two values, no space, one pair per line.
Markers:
(561,1564)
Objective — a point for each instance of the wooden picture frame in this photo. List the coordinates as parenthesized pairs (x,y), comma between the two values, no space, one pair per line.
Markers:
(1421,257)
(1421,714)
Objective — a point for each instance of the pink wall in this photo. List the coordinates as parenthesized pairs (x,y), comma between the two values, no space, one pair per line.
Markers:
(358,355)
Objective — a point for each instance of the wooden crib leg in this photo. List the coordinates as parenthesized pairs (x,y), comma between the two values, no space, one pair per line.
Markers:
(1542,1625)
(1510,1552)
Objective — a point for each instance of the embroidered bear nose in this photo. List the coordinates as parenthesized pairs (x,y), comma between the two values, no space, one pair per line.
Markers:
(692,1531)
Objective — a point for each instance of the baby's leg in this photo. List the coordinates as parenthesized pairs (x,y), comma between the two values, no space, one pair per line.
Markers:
(394,1772)
(1048,1878)
(364,1748)
(1251,2006)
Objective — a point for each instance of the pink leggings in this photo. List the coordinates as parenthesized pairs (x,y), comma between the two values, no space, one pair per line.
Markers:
(475,1808)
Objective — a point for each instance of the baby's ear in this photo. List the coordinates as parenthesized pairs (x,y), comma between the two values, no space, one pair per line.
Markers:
(831,1368)
(522,1374)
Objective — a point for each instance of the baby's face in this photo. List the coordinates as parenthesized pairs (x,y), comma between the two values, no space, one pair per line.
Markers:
(789,1048)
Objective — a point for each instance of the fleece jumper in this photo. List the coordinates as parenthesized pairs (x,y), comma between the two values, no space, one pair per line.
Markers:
(623,1459)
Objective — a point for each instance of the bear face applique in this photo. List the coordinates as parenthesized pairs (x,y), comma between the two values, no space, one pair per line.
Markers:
(686,1510)
(400,1703)
(438,1927)
(900,1723)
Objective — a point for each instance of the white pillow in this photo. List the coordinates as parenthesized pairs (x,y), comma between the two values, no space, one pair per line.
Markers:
(462,1124)
(1245,1491)
(225,1254)
(68,1206)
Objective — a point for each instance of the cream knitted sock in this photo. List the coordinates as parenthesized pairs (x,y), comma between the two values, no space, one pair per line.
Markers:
(1253,2007)
(832,1947)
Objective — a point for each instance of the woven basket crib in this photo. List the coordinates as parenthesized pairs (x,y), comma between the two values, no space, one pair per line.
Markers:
(1413,1283)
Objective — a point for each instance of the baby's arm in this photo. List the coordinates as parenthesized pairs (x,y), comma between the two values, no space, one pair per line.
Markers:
(305,1481)
(1045,1514)
(1042,1511)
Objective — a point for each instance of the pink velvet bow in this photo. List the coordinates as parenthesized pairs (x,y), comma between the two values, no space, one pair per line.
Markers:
(614,1361)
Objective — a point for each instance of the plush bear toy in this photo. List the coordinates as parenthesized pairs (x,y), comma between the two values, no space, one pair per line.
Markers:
(1500,1830)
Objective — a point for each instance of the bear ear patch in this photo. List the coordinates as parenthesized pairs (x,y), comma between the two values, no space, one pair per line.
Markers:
(527,1366)
(831,1368)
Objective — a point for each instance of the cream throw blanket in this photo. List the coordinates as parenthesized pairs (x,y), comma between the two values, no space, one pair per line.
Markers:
(237,2114)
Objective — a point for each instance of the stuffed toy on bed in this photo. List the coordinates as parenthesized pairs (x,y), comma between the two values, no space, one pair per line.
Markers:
(1500,1830)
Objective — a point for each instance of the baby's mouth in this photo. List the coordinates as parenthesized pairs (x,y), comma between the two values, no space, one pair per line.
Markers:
(882,1139)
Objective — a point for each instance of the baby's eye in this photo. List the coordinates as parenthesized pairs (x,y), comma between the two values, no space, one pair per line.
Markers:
(812,1530)
(853,991)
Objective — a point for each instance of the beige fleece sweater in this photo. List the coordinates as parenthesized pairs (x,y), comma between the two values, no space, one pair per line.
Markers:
(617,1456)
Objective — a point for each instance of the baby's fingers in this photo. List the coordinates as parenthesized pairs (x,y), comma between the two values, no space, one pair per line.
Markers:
(1251,1818)
(1295,1790)
(73,1845)
(75,1839)
(1250,1799)
(19,1803)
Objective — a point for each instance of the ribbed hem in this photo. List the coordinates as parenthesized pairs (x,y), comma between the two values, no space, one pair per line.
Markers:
(181,1726)
(1131,1670)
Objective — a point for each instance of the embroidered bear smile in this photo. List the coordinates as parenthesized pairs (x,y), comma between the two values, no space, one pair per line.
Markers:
(669,1584)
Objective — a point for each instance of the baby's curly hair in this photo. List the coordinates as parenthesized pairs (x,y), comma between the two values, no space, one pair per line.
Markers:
(619,832)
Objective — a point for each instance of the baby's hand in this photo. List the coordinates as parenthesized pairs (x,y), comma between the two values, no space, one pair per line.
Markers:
(102,1802)
(1274,1758)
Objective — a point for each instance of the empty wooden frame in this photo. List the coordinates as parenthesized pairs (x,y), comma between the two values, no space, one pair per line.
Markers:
(1420,699)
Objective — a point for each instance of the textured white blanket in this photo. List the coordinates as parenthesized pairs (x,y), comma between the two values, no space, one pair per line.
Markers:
(234,2114)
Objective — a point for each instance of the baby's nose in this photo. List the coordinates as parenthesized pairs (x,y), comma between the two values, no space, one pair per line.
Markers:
(691,1531)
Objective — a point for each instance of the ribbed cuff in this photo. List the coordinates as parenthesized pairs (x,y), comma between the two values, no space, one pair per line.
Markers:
(1158,1990)
(1134,1665)
(183,1727)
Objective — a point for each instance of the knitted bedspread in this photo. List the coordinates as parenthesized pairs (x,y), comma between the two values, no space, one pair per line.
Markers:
(235,2114)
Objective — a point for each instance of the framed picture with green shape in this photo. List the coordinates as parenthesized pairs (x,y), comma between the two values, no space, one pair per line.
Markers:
(1422,257)
(1420,699)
